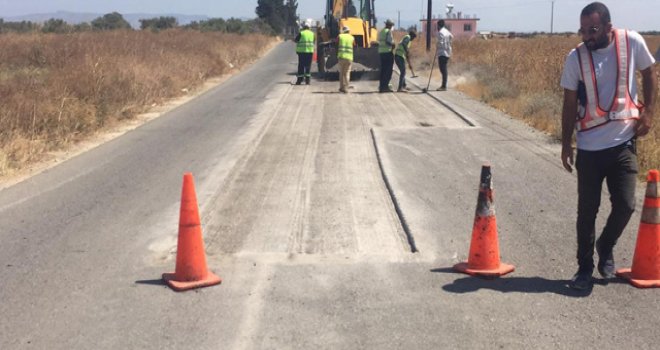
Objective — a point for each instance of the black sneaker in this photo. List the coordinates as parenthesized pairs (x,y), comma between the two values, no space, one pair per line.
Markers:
(581,281)
(606,266)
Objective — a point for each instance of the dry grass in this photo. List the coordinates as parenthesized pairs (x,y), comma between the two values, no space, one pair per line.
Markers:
(59,89)
(521,77)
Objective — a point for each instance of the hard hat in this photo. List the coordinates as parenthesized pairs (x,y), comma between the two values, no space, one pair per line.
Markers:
(346,30)
(305,25)
(389,22)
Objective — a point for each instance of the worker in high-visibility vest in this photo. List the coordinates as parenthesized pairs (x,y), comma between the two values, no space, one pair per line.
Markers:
(601,102)
(305,51)
(402,56)
(345,44)
(386,53)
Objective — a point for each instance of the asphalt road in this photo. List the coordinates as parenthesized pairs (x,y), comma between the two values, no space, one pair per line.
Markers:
(310,200)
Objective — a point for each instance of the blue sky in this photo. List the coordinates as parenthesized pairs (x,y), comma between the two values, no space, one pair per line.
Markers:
(499,15)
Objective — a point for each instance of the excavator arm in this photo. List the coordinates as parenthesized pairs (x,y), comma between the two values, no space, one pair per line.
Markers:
(339,8)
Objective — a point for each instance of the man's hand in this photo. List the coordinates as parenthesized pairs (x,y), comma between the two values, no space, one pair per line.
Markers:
(643,125)
(567,157)
(650,86)
(569,110)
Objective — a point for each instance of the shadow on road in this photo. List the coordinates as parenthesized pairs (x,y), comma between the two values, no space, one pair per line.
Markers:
(515,284)
(328,92)
(158,282)
(350,93)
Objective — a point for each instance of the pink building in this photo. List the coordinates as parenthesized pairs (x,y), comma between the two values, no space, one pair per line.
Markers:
(463,27)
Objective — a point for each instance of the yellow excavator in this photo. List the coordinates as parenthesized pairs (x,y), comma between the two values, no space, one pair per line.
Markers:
(358,16)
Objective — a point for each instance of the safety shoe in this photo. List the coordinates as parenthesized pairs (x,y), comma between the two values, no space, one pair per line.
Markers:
(307,80)
(442,88)
(299,81)
(402,90)
(581,280)
(606,266)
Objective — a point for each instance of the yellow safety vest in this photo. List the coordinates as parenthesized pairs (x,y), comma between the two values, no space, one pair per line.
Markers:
(383,47)
(403,46)
(345,48)
(306,42)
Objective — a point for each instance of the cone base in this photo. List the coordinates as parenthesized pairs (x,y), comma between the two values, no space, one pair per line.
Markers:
(502,270)
(180,286)
(627,274)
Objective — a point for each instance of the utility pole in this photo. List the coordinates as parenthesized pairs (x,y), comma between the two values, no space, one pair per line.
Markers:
(552,16)
(428,25)
(398,20)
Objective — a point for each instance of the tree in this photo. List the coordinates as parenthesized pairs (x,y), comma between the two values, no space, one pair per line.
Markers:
(159,23)
(235,25)
(291,15)
(258,25)
(232,25)
(214,25)
(276,14)
(82,27)
(111,21)
(19,27)
(54,25)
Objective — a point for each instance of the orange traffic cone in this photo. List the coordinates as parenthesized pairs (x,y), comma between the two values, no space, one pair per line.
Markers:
(645,271)
(314,57)
(484,259)
(191,271)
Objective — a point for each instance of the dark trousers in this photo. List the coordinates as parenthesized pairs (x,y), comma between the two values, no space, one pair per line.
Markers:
(386,65)
(304,65)
(442,64)
(618,167)
(401,63)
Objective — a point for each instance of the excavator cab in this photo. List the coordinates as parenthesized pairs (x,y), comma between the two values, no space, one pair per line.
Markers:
(358,16)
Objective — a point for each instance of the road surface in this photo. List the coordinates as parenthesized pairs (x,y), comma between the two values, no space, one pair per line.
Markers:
(333,220)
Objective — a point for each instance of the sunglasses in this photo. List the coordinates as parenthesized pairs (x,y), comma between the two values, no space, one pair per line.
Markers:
(590,30)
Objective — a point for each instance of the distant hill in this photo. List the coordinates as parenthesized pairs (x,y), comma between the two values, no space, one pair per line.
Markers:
(80,17)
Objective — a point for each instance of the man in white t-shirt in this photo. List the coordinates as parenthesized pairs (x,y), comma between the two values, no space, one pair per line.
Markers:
(605,111)
(443,51)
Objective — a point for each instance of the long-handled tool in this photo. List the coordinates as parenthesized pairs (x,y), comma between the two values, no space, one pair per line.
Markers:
(412,71)
(430,74)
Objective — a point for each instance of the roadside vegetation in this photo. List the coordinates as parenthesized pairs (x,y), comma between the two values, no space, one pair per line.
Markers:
(60,87)
(521,78)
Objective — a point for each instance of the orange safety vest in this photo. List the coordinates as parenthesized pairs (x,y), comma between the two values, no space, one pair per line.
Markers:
(623,106)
